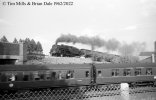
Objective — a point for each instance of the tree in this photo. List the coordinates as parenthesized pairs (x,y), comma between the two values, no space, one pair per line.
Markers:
(27,43)
(4,39)
(20,41)
(39,47)
(15,40)
(32,45)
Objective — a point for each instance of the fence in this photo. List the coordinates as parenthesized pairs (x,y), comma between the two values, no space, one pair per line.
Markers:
(100,92)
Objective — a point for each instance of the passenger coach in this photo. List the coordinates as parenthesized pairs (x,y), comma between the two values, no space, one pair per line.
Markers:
(44,76)
(15,77)
(136,74)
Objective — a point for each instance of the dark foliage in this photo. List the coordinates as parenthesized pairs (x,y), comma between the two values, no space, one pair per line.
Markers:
(34,49)
(15,40)
(34,56)
(4,39)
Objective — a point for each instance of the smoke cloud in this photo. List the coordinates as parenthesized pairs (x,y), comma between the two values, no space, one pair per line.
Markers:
(110,45)
(96,41)
(132,49)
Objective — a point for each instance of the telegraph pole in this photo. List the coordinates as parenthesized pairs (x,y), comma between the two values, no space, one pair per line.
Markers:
(93,69)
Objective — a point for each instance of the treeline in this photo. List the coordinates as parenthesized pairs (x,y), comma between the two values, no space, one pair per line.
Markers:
(34,49)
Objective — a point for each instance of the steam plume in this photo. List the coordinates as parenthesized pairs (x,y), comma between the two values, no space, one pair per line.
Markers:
(132,49)
(93,41)
(111,45)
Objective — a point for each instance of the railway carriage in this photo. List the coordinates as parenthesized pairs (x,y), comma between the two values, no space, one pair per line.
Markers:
(16,77)
(134,74)
(43,76)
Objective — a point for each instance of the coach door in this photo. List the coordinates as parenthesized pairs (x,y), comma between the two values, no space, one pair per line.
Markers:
(93,74)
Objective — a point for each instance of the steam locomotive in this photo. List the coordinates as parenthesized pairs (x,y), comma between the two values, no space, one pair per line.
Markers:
(16,77)
(65,51)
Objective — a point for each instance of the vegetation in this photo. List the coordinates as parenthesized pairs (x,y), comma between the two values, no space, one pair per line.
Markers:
(15,40)
(34,49)
(4,39)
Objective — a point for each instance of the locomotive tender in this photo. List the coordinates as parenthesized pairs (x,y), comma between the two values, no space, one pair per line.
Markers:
(15,77)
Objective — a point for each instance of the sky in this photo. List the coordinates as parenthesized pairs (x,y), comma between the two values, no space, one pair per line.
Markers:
(124,20)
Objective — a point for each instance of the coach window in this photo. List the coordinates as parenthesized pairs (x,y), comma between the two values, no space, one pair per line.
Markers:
(127,72)
(12,77)
(41,76)
(60,75)
(36,76)
(99,73)
(70,74)
(149,71)
(115,72)
(53,75)
(26,76)
(3,77)
(137,71)
(87,73)
(47,75)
